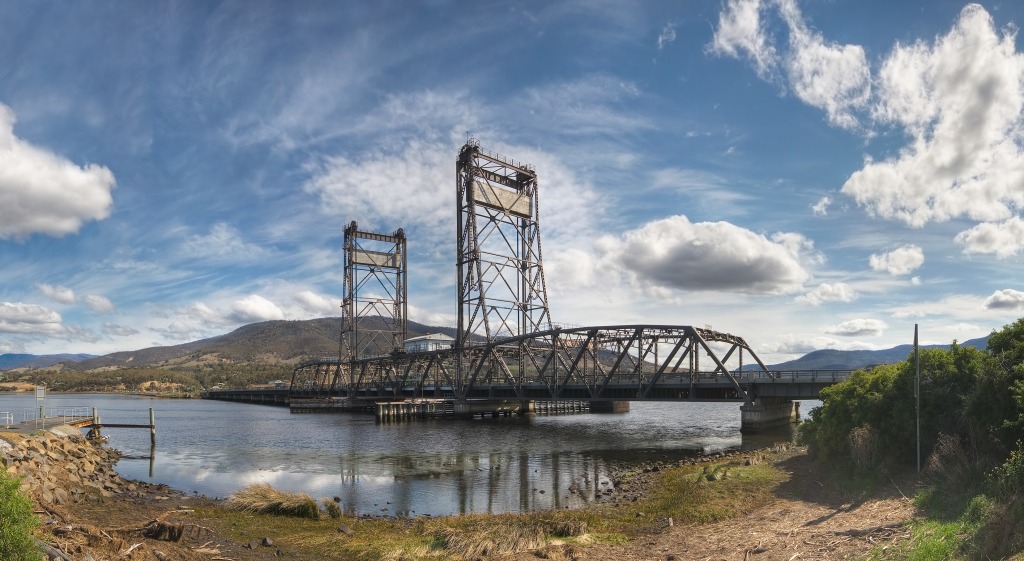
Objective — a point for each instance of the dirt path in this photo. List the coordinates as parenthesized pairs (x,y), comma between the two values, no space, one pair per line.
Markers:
(810,519)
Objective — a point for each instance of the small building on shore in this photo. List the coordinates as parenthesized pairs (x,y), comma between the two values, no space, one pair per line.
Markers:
(427,343)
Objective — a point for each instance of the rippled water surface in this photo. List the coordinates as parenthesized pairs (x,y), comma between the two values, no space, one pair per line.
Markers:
(432,467)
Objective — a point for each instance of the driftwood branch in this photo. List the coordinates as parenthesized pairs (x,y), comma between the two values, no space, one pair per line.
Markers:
(54,553)
(858,532)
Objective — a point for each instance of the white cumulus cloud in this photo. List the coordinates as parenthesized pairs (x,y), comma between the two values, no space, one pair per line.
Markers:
(741,32)
(676,253)
(1006,299)
(900,261)
(42,192)
(858,327)
(254,308)
(959,99)
(16,317)
(831,77)
(1004,239)
(829,292)
(820,208)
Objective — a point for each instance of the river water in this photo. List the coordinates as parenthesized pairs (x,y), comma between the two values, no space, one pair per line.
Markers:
(435,467)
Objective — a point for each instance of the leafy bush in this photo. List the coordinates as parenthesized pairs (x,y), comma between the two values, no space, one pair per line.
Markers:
(883,398)
(16,522)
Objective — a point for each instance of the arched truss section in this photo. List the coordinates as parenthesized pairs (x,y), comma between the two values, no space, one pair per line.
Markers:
(628,362)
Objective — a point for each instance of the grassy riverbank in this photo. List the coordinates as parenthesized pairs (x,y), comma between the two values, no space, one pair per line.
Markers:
(690,494)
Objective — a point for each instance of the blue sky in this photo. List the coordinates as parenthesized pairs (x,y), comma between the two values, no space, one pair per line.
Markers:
(805,174)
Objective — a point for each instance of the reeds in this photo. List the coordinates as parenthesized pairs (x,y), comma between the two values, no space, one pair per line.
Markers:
(264,499)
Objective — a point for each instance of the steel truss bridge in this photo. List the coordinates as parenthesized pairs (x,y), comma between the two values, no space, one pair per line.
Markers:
(506,348)
(604,363)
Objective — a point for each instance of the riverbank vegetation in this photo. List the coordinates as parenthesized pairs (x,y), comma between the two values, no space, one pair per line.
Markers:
(971,442)
(17,523)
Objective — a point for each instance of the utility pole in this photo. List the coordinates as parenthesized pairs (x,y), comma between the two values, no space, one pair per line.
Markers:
(917,396)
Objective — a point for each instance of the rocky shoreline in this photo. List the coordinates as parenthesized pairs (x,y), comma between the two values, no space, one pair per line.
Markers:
(84,504)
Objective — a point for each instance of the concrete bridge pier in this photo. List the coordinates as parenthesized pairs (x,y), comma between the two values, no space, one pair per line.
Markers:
(768,412)
(492,407)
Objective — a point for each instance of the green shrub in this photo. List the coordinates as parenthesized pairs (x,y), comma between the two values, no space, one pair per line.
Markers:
(17,522)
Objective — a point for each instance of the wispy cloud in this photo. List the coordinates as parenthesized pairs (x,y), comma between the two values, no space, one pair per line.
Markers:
(59,294)
(667,35)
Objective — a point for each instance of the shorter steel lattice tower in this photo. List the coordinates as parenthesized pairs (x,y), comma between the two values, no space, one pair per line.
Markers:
(375,294)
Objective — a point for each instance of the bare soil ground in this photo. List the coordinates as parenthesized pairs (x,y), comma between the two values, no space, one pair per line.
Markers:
(811,518)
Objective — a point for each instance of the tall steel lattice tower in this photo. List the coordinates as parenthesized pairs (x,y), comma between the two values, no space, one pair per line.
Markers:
(502,292)
(375,294)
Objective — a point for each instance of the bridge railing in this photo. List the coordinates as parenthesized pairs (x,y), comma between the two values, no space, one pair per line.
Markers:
(812,375)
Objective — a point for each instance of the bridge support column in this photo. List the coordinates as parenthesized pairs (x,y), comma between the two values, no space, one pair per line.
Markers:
(609,407)
(768,412)
(471,408)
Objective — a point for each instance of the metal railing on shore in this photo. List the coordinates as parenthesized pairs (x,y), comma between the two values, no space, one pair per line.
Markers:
(65,413)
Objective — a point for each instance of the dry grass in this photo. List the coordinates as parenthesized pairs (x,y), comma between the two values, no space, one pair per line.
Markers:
(262,498)
(864,447)
(331,507)
(504,535)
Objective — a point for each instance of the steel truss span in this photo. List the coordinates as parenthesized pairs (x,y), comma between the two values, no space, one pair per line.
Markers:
(628,362)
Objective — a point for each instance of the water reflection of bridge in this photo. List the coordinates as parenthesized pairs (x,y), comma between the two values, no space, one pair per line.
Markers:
(507,352)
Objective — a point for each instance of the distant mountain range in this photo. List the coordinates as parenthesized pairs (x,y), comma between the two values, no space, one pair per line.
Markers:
(269,342)
(9,361)
(830,359)
(293,341)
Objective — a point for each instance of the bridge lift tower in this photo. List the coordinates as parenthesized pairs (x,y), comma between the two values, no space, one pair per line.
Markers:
(502,291)
(375,294)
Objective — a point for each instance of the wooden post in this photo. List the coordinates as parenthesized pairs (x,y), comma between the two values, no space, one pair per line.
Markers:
(152,427)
